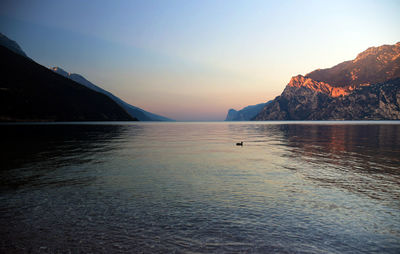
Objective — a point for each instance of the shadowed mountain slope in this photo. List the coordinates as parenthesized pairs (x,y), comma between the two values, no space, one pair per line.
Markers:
(11,45)
(31,92)
(133,111)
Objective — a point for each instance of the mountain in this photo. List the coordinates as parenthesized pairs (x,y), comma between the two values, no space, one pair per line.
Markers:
(11,45)
(31,92)
(245,114)
(133,111)
(364,88)
(374,65)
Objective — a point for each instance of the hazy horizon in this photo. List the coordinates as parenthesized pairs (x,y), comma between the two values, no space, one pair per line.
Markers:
(192,61)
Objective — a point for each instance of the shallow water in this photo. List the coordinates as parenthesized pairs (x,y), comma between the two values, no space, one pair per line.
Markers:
(312,187)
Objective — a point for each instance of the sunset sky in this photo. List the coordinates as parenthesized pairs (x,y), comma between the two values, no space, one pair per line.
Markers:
(193,60)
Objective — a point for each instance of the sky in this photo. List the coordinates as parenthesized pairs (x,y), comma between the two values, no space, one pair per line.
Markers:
(194,60)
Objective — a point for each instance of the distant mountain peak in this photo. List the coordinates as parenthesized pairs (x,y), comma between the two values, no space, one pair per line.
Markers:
(60,71)
(246,113)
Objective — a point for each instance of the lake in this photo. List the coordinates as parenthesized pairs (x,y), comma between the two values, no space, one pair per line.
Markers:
(293,187)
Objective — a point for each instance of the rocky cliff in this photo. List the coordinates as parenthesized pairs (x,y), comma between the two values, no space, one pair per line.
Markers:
(375,102)
(364,88)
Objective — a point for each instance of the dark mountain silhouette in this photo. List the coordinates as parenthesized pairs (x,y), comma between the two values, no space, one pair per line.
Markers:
(11,45)
(133,111)
(31,92)
(364,88)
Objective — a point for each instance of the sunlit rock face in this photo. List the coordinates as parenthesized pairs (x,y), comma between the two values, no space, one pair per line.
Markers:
(320,94)
(60,71)
(374,102)
(374,65)
(319,86)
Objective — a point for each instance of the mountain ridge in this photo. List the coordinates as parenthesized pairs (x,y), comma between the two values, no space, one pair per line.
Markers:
(372,66)
(133,111)
(319,94)
(42,95)
(31,92)
(11,45)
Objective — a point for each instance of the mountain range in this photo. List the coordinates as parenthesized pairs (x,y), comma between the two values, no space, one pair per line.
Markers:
(366,88)
(31,92)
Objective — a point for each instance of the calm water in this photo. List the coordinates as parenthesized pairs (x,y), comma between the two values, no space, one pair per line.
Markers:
(186,188)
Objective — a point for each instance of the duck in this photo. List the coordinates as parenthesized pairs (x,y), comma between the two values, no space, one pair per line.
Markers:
(240,144)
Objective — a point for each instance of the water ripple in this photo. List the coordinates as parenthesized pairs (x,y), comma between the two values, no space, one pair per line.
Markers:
(186,188)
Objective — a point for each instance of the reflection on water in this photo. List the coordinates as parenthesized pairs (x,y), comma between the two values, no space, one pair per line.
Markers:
(362,158)
(186,187)
(49,148)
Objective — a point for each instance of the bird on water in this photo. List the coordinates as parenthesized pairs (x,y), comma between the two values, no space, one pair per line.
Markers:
(239,144)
